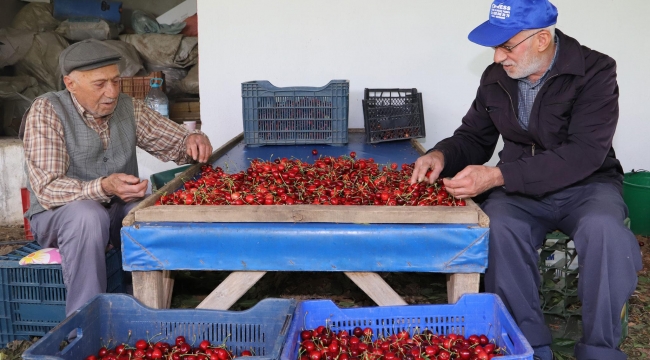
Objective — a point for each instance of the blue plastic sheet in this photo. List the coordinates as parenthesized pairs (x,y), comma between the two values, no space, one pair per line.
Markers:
(446,248)
(305,247)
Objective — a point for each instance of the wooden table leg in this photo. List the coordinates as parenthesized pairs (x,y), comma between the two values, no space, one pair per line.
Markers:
(168,286)
(459,284)
(148,288)
(230,290)
(376,288)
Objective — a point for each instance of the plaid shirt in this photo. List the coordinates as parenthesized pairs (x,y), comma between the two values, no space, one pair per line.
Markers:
(528,91)
(48,161)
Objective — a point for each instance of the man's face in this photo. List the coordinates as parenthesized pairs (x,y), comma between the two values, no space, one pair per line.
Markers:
(96,90)
(523,60)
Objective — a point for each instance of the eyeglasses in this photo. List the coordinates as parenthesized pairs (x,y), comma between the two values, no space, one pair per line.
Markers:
(509,48)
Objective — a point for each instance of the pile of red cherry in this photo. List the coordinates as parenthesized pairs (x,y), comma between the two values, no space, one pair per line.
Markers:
(323,344)
(328,181)
(181,350)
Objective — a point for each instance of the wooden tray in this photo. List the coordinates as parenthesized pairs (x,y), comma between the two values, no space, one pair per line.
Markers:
(146,212)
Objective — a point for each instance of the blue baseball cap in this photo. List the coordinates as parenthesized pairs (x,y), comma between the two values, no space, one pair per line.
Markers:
(509,17)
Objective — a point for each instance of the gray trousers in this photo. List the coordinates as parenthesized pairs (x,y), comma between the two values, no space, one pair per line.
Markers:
(81,230)
(608,256)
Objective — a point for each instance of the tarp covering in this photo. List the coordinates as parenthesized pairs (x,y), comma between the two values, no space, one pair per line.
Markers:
(165,50)
(305,247)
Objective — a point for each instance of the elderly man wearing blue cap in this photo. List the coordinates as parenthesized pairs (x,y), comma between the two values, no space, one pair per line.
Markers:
(82,167)
(555,103)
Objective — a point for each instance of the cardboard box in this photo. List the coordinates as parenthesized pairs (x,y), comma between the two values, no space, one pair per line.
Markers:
(179,13)
(185,110)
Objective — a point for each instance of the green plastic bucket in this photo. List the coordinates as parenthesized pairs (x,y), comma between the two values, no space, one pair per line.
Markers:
(636,193)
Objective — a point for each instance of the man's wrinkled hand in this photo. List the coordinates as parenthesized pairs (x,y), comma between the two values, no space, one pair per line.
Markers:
(434,161)
(126,187)
(473,180)
(199,147)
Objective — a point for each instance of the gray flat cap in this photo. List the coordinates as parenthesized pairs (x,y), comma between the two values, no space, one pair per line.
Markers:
(87,55)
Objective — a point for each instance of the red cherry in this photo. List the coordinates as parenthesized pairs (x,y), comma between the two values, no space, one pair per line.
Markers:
(353,154)
(156,354)
(119,349)
(180,340)
(204,345)
(102,351)
(246,353)
(314,152)
(141,344)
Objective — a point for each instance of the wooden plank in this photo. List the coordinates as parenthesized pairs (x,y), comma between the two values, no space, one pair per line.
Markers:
(148,288)
(418,146)
(376,288)
(459,284)
(230,290)
(168,288)
(129,219)
(356,214)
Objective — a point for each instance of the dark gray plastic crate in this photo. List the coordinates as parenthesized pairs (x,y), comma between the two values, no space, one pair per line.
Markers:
(295,115)
(393,114)
(32,297)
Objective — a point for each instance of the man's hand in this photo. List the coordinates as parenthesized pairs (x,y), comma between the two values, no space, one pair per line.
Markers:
(473,180)
(434,161)
(126,187)
(198,147)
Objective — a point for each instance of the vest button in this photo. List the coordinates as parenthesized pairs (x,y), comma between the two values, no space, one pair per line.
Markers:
(105,159)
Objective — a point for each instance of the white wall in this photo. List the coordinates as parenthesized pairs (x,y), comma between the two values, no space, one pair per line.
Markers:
(12,178)
(415,43)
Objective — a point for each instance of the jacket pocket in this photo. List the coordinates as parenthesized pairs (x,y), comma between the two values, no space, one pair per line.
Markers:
(554,125)
(498,113)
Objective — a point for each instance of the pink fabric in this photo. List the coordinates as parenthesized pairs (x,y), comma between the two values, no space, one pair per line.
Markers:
(43,256)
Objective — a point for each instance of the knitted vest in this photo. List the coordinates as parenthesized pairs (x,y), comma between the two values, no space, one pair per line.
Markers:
(88,159)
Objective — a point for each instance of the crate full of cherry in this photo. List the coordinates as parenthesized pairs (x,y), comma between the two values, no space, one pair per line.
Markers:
(295,115)
(117,326)
(478,326)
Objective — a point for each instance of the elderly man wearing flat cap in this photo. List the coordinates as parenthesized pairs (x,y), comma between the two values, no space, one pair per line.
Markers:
(555,103)
(81,162)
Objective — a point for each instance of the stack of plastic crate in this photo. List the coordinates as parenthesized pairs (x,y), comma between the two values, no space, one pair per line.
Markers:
(558,267)
(32,297)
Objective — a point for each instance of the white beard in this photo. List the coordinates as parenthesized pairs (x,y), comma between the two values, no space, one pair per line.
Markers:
(527,66)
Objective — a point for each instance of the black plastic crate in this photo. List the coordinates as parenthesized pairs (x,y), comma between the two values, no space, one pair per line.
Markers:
(393,114)
(558,266)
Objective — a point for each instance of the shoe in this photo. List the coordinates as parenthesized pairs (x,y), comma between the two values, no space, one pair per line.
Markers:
(543,353)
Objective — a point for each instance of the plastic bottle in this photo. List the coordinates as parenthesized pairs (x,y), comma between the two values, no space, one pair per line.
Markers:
(156,99)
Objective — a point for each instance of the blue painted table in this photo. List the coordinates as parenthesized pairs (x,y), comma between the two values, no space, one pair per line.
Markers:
(250,240)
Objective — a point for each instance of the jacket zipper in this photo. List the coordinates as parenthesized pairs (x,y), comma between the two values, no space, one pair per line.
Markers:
(540,89)
(512,105)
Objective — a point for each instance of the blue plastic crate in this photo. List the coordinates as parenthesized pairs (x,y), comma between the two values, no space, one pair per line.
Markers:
(262,329)
(472,314)
(295,115)
(32,297)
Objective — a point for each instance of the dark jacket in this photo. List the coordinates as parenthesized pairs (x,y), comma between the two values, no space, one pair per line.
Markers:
(569,137)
